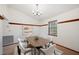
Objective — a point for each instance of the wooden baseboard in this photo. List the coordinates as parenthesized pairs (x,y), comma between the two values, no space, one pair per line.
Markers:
(67,48)
(10,44)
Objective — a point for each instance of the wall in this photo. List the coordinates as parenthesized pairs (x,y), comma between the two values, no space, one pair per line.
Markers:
(68,33)
(16,31)
(1,37)
(44,31)
(3,11)
(36,30)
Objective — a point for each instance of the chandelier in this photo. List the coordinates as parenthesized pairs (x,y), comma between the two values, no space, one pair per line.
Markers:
(36,11)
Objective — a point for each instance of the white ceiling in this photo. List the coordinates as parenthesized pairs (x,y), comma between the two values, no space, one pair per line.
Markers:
(47,10)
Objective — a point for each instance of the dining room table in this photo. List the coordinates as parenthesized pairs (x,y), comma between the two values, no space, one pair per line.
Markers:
(36,43)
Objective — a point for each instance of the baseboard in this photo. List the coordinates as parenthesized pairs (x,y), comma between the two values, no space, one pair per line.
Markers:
(10,44)
(67,48)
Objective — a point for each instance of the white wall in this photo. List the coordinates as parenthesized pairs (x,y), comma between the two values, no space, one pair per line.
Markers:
(16,31)
(3,11)
(35,30)
(1,37)
(44,31)
(68,33)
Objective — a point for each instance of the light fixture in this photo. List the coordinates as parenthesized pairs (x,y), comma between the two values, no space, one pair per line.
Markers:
(36,11)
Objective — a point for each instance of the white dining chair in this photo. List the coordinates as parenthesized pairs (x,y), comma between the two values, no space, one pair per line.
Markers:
(22,47)
(52,50)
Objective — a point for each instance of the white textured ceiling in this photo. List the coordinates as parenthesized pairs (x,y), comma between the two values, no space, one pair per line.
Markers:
(47,10)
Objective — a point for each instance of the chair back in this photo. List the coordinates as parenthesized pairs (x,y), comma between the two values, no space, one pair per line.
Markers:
(21,44)
(19,40)
(52,50)
(49,50)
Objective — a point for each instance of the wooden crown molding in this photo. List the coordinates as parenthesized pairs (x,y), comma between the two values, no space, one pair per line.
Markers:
(23,24)
(44,25)
(67,21)
(27,24)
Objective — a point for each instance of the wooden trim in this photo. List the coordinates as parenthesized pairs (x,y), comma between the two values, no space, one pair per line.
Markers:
(1,17)
(27,24)
(44,25)
(67,48)
(67,21)
(10,44)
(23,24)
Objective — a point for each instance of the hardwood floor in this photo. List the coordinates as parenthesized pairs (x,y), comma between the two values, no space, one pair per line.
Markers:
(67,51)
(9,50)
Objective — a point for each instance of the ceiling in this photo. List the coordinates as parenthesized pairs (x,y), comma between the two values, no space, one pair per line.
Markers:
(47,10)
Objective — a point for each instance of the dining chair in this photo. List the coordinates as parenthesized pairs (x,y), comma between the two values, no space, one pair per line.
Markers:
(52,50)
(22,47)
(47,45)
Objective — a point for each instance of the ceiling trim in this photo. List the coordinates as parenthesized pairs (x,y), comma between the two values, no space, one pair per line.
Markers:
(23,24)
(67,21)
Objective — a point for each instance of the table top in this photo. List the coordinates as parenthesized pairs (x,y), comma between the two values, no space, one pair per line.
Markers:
(36,42)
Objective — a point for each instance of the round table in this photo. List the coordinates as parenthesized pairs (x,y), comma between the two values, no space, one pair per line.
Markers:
(36,43)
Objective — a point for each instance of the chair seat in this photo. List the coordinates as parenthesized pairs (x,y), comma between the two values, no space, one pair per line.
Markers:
(22,51)
(52,50)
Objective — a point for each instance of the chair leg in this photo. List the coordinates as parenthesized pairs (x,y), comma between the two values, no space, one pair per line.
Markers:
(54,52)
(18,50)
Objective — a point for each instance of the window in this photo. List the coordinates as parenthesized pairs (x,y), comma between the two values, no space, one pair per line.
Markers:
(52,28)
